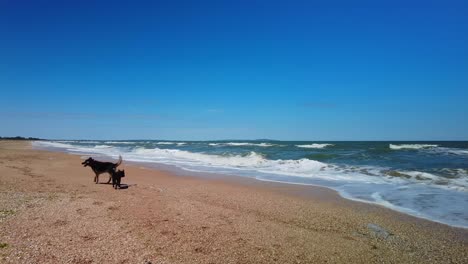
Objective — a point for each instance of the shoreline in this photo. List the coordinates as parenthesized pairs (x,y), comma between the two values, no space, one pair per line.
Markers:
(170,218)
(173,169)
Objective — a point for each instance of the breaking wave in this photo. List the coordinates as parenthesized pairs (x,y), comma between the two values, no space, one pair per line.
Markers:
(249,161)
(430,148)
(120,142)
(315,146)
(412,146)
(238,144)
(165,143)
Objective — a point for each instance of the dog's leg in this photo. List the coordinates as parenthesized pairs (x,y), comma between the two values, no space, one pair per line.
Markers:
(110,177)
(113,181)
(97,178)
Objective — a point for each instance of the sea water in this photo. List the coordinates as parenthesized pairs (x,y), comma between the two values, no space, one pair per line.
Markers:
(423,179)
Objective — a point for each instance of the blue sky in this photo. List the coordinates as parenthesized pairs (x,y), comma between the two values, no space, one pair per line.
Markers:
(234,70)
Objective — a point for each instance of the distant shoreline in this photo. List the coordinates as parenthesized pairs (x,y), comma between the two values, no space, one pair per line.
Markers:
(20,138)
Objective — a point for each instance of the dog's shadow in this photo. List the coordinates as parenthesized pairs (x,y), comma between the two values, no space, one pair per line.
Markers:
(122,185)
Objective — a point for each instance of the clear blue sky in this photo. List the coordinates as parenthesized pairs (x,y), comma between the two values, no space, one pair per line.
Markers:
(234,70)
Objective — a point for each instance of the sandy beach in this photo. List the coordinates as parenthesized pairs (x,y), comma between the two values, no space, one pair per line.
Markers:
(52,212)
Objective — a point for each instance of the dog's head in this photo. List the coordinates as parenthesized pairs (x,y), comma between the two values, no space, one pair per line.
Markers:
(120,173)
(87,162)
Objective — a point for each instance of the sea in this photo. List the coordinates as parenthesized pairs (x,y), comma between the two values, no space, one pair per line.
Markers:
(424,179)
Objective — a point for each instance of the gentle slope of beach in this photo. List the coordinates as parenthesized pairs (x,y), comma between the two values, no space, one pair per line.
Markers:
(52,212)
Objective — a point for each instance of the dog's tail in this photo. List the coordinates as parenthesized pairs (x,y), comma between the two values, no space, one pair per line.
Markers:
(119,162)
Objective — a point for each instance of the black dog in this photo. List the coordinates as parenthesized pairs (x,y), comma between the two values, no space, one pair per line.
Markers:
(116,176)
(100,167)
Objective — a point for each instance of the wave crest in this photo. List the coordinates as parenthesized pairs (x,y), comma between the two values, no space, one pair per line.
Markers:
(411,146)
(315,146)
(238,144)
(250,161)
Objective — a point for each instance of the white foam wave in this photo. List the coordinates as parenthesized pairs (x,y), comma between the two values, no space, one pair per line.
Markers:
(454,151)
(119,142)
(252,159)
(79,141)
(412,146)
(165,143)
(455,173)
(50,144)
(104,150)
(315,146)
(238,144)
(436,149)
(102,146)
(460,183)
(253,163)
(424,176)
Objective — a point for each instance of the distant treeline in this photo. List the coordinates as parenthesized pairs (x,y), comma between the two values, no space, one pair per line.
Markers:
(19,138)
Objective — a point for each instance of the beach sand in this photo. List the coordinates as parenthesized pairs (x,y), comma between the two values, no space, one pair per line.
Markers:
(52,212)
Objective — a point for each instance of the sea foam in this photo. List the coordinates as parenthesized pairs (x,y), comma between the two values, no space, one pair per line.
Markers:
(412,146)
(315,146)
(239,144)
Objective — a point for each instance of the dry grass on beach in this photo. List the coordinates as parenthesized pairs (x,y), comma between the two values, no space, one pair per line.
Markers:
(52,212)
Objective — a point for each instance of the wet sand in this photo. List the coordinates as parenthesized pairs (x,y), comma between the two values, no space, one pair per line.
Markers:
(52,212)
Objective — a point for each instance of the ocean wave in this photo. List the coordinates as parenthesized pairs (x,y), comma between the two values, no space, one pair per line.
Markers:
(250,160)
(412,146)
(454,172)
(119,142)
(78,141)
(104,150)
(238,144)
(460,152)
(454,151)
(102,147)
(459,181)
(253,163)
(315,146)
(50,144)
(430,148)
(170,143)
